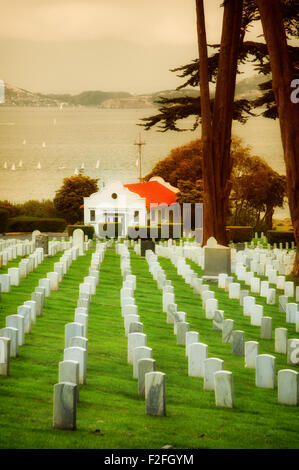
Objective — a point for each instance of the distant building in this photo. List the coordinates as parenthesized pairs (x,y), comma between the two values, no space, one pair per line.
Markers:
(128,204)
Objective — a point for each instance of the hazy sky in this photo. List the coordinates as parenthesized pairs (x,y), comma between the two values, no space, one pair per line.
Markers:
(111,45)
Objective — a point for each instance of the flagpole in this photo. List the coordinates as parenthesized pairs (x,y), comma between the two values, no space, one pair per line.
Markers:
(139,143)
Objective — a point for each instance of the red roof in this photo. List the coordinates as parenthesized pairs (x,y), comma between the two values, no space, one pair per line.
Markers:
(154,192)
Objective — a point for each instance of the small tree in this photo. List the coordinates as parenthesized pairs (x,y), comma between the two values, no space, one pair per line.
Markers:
(183,163)
(69,198)
(256,189)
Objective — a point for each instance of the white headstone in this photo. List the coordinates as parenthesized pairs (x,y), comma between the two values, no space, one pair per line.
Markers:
(288,387)
(265,371)
(211,365)
(197,353)
(251,351)
(78,240)
(281,340)
(224,390)
(135,340)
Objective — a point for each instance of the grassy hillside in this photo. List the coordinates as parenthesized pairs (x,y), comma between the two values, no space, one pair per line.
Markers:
(110,414)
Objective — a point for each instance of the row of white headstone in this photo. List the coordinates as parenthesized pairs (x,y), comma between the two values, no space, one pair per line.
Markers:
(263,363)
(73,368)
(212,370)
(27,265)
(151,383)
(17,325)
(277,261)
(251,309)
(10,249)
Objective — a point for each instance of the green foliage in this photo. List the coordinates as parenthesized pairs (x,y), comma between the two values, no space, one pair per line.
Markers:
(29,224)
(69,198)
(13,209)
(256,187)
(3,220)
(87,229)
(183,164)
(190,192)
(239,234)
(277,236)
(31,208)
(44,208)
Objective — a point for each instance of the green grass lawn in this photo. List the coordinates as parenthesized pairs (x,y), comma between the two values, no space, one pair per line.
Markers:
(110,414)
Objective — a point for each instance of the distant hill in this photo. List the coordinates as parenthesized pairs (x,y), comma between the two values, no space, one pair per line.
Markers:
(248,87)
(14,96)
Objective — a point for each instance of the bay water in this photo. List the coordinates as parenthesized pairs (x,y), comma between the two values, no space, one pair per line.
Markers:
(41,146)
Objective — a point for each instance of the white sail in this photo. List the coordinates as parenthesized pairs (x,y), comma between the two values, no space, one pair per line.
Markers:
(24,142)
(44,144)
(5,165)
(76,171)
(13,167)
(98,164)
(20,164)
(38,166)
(82,166)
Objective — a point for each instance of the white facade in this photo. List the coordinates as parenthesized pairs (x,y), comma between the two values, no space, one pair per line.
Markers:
(115,203)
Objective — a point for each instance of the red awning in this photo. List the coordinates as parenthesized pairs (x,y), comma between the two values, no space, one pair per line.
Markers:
(154,192)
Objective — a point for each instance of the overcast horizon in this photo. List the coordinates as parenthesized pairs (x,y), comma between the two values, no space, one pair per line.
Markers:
(70,46)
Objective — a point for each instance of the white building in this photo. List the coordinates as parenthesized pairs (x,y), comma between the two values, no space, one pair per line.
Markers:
(128,204)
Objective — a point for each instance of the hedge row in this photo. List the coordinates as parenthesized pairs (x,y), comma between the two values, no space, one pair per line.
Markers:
(87,229)
(277,236)
(29,224)
(239,233)
(3,220)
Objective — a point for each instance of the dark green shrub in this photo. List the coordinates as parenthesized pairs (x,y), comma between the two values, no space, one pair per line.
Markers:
(29,224)
(87,229)
(239,233)
(3,220)
(277,236)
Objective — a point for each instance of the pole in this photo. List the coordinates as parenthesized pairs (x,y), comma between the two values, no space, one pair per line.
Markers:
(139,143)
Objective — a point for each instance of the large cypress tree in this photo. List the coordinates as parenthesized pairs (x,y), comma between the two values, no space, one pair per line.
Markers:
(216,114)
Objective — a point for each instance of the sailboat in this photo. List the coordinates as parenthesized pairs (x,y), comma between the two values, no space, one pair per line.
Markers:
(82,166)
(20,164)
(98,164)
(44,144)
(24,142)
(13,167)
(76,171)
(5,165)
(38,166)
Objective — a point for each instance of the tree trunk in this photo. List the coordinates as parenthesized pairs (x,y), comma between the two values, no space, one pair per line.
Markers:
(269,217)
(216,128)
(288,111)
